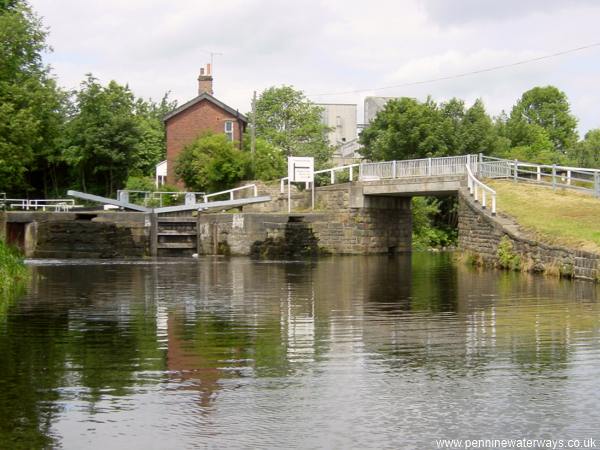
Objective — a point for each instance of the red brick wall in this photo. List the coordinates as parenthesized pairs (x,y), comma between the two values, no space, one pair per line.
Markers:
(186,126)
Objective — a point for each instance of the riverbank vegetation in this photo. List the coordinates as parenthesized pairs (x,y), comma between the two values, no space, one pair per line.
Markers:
(562,217)
(12,270)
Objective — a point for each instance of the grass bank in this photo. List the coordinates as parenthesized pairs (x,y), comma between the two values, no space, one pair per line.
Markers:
(561,217)
(12,270)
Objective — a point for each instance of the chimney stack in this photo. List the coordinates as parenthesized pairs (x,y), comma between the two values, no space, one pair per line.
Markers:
(205,81)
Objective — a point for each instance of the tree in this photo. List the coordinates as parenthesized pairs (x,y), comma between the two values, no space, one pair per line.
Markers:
(587,152)
(548,108)
(102,136)
(479,134)
(404,129)
(212,163)
(268,162)
(151,146)
(31,105)
(286,119)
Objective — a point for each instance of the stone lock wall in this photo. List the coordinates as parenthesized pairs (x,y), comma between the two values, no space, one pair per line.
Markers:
(82,235)
(482,234)
(384,227)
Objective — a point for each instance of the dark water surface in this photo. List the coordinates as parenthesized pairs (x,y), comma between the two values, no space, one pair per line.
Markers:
(345,352)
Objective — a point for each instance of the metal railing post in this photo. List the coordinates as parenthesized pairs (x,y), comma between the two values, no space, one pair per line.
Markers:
(568,178)
(493,204)
(516,169)
(351,172)
(332,176)
(429,166)
(394,169)
(554,176)
(597,183)
(539,173)
(483,197)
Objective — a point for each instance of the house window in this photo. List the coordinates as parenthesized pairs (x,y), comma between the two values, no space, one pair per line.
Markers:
(229,130)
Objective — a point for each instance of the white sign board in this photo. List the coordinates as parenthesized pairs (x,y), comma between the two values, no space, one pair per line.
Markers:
(301,169)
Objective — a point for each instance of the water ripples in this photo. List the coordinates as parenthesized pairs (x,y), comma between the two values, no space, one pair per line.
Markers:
(346,352)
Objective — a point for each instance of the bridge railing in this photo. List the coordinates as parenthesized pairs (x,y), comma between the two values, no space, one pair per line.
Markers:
(577,178)
(451,165)
(479,190)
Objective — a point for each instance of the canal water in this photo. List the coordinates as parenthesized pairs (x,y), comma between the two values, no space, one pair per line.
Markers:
(343,352)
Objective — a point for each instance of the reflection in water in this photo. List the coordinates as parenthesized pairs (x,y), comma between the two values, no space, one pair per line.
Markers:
(342,352)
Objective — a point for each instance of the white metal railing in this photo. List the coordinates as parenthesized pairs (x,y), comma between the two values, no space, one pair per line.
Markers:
(425,167)
(333,170)
(451,165)
(231,192)
(59,204)
(476,187)
(577,178)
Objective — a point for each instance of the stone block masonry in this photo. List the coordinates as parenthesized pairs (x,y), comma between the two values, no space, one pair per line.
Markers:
(78,235)
(490,238)
(384,227)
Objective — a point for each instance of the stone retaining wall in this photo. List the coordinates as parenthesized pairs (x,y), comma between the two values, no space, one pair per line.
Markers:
(384,227)
(79,235)
(483,235)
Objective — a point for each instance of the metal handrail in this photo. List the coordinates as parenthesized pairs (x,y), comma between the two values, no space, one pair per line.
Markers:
(577,178)
(231,192)
(58,204)
(474,185)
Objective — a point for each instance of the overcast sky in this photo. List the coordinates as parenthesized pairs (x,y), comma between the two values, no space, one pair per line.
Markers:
(331,46)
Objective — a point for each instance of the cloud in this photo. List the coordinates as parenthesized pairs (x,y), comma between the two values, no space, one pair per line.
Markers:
(458,12)
(327,46)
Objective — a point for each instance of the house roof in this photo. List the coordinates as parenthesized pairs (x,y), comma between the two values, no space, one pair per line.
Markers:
(210,98)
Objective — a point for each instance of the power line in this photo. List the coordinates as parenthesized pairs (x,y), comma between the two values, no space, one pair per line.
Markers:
(464,74)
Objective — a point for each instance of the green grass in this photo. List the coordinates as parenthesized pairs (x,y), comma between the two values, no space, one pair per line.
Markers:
(561,217)
(12,270)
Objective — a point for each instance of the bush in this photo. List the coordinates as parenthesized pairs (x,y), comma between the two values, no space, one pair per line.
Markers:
(426,235)
(212,163)
(268,162)
(507,258)
(140,184)
(12,269)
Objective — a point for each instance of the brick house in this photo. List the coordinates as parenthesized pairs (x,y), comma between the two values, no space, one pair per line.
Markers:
(203,113)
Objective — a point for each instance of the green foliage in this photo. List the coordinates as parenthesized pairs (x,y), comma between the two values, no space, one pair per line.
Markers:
(409,129)
(140,184)
(426,233)
(548,108)
(102,136)
(268,163)
(587,152)
(212,163)
(31,106)
(12,270)
(151,146)
(507,258)
(286,119)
